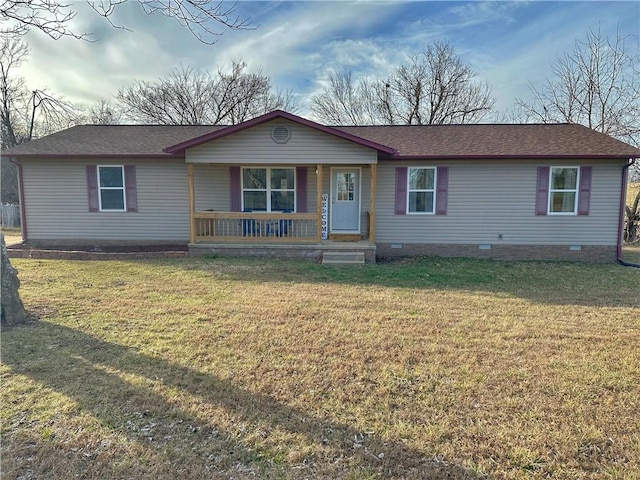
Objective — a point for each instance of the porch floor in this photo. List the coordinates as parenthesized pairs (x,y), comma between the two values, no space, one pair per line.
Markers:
(307,251)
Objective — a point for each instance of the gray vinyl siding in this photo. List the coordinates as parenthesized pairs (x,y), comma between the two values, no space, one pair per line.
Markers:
(487,199)
(211,186)
(56,202)
(306,146)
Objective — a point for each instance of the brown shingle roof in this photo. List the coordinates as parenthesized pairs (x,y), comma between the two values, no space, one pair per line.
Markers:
(432,141)
(111,140)
(496,141)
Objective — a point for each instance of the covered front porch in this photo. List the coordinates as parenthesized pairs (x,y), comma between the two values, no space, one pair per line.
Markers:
(306,225)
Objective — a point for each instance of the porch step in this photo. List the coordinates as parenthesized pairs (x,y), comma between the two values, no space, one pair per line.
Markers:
(343,258)
(345,237)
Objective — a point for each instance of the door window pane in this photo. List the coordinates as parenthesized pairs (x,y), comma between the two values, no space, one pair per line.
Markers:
(345,187)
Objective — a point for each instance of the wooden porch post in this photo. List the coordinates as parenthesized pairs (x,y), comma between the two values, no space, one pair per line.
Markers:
(319,202)
(372,209)
(192,204)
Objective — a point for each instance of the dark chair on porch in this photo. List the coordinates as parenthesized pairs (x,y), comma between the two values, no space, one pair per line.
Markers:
(280,228)
(249,226)
(285,225)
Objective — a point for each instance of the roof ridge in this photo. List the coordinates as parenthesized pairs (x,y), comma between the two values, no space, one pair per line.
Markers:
(461,125)
(143,125)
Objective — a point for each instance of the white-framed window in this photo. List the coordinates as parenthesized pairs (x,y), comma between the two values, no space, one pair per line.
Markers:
(111,193)
(563,190)
(421,190)
(268,189)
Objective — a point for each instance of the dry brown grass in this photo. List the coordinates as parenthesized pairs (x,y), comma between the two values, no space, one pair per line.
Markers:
(430,368)
(12,235)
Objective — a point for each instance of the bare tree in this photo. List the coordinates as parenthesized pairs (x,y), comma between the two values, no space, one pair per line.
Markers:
(632,220)
(346,102)
(597,85)
(103,113)
(189,96)
(13,91)
(435,87)
(54,17)
(24,113)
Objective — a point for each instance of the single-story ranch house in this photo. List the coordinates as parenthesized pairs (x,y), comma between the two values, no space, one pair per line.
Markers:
(283,185)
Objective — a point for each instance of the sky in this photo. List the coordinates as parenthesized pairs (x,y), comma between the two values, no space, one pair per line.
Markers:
(510,44)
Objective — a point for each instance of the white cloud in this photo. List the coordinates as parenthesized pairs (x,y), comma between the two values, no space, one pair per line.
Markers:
(298,43)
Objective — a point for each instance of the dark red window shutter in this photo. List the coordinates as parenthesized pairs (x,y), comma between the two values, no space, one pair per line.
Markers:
(401,190)
(542,195)
(92,187)
(442,187)
(235,189)
(301,189)
(584,193)
(130,188)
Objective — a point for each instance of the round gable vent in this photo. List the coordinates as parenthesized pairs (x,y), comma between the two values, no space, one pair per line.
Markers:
(280,134)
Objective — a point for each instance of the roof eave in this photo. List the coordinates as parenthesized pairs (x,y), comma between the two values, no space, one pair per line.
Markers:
(511,157)
(92,155)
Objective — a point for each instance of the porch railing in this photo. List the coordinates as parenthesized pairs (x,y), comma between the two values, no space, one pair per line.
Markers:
(255,227)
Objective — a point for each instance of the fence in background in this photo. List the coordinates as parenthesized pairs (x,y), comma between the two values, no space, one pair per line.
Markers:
(10,215)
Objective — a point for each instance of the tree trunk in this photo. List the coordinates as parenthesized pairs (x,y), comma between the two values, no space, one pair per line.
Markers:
(13,311)
(632,226)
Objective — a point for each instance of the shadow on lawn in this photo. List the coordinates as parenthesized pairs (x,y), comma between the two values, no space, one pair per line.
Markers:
(182,443)
(553,283)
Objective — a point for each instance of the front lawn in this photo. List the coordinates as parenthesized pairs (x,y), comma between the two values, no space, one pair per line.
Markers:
(427,368)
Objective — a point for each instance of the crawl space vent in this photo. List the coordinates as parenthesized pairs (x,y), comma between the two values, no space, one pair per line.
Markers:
(280,134)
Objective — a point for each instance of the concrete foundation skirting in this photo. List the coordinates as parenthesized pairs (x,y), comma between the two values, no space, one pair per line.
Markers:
(82,255)
(583,253)
(314,252)
(311,252)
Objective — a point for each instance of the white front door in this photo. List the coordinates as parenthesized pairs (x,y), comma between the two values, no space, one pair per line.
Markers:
(345,200)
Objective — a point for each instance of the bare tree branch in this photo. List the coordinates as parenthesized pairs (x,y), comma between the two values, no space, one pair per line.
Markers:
(345,102)
(189,96)
(53,17)
(434,87)
(12,88)
(24,113)
(103,113)
(50,16)
(597,85)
